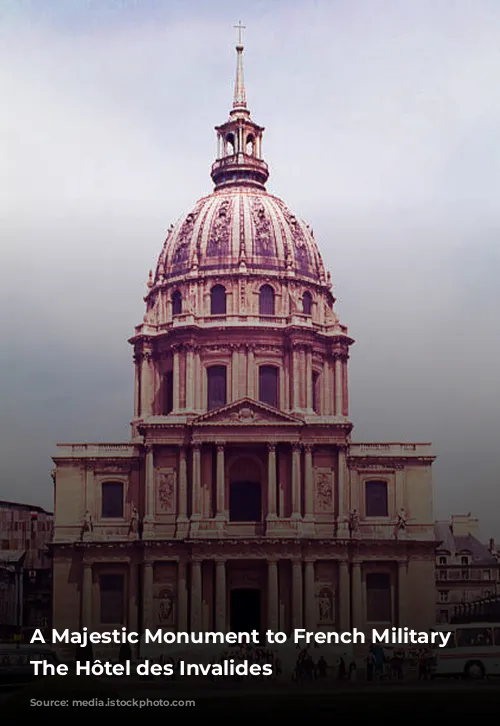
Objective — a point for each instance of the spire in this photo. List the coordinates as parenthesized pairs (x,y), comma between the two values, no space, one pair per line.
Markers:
(239,140)
(240,98)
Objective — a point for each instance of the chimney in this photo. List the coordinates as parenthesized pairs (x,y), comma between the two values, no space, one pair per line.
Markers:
(492,545)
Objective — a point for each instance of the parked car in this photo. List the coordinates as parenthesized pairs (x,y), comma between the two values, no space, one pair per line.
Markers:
(15,667)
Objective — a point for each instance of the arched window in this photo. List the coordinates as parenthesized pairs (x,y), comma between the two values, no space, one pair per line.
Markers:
(176,303)
(376,500)
(230,150)
(250,145)
(112,500)
(307,302)
(216,386)
(218,300)
(266,300)
(268,385)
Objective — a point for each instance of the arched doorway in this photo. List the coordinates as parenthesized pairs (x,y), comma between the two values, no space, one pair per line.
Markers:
(245,491)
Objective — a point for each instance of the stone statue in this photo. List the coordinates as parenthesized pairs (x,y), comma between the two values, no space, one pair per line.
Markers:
(354,521)
(134,521)
(325,606)
(87,525)
(401,522)
(166,611)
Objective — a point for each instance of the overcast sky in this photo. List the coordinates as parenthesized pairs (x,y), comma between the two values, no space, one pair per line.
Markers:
(382,131)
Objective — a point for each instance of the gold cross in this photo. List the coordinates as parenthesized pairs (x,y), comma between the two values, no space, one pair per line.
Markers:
(239,28)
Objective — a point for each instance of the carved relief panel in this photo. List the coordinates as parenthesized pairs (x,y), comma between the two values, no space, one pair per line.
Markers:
(323,490)
(165,491)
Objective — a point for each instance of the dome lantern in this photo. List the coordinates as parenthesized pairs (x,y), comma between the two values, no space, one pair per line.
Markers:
(239,140)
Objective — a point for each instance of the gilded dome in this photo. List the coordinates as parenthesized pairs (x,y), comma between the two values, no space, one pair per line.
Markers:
(240,227)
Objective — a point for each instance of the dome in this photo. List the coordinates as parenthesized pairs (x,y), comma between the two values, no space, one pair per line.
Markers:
(240,227)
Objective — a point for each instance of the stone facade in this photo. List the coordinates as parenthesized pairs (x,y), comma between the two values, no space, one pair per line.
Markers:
(467,571)
(241,500)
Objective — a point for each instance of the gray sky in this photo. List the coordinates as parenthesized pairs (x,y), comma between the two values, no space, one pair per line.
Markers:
(383,132)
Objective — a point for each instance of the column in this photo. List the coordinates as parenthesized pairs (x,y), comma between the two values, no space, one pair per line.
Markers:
(87,595)
(197,388)
(296,503)
(182,513)
(220,596)
(196,498)
(341,471)
(357,596)
(297,594)
(344,598)
(338,386)
(309,493)
(250,372)
(147,601)
(310,596)
(325,399)
(234,374)
(176,378)
(150,484)
(221,483)
(133,624)
(345,388)
(137,386)
(182,599)
(196,596)
(309,396)
(272,596)
(190,382)
(403,614)
(295,378)
(271,481)
(147,387)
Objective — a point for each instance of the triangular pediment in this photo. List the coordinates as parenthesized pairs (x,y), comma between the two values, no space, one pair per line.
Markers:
(247,412)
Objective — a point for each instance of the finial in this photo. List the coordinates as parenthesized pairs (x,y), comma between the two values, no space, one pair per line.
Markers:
(240,99)
(240,28)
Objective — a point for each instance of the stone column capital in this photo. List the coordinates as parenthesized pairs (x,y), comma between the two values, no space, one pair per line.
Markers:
(220,446)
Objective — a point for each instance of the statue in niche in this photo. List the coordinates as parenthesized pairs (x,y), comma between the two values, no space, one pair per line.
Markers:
(87,525)
(325,601)
(134,521)
(166,608)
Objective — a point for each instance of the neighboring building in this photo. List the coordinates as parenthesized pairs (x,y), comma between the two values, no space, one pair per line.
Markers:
(25,567)
(241,501)
(466,569)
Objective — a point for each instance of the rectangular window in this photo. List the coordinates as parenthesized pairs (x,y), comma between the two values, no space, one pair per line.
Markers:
(378,598)
(472,637)
(112,500)
(112,597)
(216,386)
(268,385)
(376,499)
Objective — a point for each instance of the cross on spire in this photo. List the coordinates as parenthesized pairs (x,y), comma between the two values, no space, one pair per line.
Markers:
(240,28)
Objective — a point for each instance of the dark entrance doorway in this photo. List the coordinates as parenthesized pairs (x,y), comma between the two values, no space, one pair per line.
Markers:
(245,610)
(245,501)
